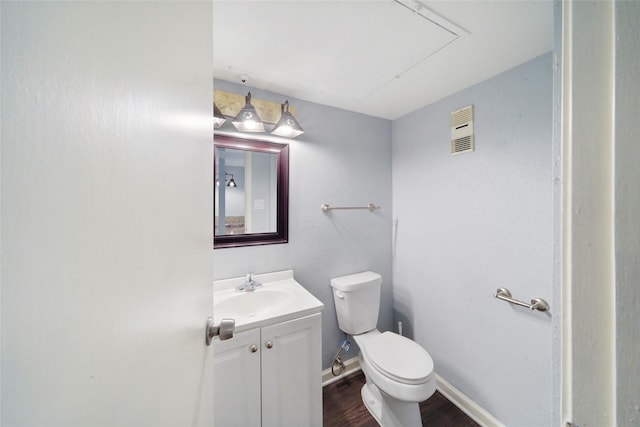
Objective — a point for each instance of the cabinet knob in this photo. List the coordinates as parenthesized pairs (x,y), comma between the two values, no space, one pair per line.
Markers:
(269,344)
(253,348)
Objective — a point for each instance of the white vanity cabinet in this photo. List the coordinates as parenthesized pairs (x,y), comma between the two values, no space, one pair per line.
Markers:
(270,376)
(236,376)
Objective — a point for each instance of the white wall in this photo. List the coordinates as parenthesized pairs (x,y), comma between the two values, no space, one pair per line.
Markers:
(601,62)
(588,70)
(471,223)
(106,218)
(343,158)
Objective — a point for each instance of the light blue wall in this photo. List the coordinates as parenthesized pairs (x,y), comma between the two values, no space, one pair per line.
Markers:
(264,165)
(234,196)
(461,226)
(343,158)
(470,223)
(627,177)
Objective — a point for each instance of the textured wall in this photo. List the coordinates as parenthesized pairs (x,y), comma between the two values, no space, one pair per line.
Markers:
(471,223)
(627,158)
(343,158)
(588,213)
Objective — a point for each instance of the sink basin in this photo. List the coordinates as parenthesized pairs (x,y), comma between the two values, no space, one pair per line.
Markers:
(279,299)
(251,304)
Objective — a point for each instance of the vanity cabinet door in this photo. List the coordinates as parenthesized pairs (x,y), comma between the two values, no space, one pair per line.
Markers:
(237,380)
(291,373)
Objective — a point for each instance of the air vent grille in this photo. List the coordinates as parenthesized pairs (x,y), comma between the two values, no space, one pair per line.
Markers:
(462,130)
(462,145)
(461,117)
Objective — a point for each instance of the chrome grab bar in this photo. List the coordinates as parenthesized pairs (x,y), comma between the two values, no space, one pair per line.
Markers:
(327,207)
(536,303)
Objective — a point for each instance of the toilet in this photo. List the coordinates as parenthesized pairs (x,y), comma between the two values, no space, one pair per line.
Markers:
(399,372)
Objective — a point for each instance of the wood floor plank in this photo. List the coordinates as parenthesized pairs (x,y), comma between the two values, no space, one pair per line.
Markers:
(342,407)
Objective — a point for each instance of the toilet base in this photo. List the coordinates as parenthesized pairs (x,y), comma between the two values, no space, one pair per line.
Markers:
(388,411)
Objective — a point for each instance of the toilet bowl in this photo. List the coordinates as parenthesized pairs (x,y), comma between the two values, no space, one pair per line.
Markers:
(399,372)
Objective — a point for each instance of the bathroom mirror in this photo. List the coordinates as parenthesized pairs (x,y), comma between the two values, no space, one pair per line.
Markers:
(251,192)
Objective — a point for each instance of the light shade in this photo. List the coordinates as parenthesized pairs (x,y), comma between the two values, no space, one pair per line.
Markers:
(287,126)
(247,119)
(230,183)
(218,117)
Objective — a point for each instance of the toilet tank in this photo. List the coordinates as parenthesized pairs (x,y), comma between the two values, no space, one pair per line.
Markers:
(357,299)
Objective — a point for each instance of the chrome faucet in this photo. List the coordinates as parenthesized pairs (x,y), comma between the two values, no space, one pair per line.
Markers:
(249,284)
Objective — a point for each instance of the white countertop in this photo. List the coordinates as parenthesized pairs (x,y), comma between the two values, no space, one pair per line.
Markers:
(280,298)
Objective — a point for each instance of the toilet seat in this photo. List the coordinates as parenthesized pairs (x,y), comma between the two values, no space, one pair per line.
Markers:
(398,358)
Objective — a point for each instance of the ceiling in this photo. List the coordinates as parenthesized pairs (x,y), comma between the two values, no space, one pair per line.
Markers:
(384,58)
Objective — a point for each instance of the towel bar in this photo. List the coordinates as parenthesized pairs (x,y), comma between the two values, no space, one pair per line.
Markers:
(536,303)
(326,207)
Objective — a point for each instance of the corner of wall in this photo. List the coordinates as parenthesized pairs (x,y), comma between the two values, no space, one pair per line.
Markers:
(466,405)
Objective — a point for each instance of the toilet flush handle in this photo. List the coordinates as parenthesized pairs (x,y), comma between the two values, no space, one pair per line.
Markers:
(339,294)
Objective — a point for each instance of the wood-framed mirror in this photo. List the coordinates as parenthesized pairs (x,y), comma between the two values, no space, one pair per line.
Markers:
(251,192)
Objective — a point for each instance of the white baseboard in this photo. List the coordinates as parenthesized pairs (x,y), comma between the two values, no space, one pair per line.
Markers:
(455,396)
(352,365)
(466,405)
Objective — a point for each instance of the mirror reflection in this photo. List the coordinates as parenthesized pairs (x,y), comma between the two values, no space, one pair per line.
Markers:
(246,199)
(250,192)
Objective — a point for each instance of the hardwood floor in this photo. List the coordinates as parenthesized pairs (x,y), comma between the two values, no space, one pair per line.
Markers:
(342,406)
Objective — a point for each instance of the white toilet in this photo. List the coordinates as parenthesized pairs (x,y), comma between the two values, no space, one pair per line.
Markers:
(399,372)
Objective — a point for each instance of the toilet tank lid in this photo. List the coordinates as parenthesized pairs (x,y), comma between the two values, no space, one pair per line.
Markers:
(356,281)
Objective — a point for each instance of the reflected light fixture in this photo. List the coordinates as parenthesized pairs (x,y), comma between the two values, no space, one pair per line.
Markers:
(247,119)
(231,183)
(287,126)
(218,117)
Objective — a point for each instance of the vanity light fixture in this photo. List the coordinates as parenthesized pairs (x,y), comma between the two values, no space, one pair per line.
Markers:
(218,117)
(287,126)
(247,119)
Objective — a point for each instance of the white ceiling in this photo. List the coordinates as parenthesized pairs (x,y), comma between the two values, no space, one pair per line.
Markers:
(384,58)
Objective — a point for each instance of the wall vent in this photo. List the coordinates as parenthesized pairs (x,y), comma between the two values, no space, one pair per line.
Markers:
(462,130)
